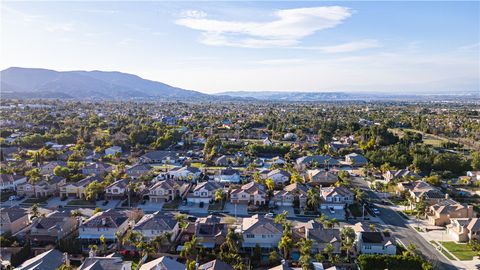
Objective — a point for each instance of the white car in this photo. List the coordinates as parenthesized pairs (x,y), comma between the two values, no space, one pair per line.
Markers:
(332,211)
(376,211)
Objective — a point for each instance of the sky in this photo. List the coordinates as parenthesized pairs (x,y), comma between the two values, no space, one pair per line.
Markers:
(352,46)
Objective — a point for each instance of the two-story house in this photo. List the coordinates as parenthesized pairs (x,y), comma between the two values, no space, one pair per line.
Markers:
(152,225)
(160,157)
(77,189)
(464,229)
(321,237)
(376,243)
(97,168)
(109,223)
(210,231)
(42,188)
(13,219)
(336,197)
(203,192)
(280,177)
(355,159)
(442,212)
(260,230)
(321,177)
(117,190)
(186,173)
(53,227)
(167,190)
(252,192)
(290,194)
(11,181)
(48,168)
(138,170)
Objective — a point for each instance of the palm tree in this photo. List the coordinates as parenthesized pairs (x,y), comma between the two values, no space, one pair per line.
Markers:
(305,247)
(190,249)
(34,211)
(219,195)
(313,199)
(270,184)
(348,240)
(104,244)
(286,243)
(329,251)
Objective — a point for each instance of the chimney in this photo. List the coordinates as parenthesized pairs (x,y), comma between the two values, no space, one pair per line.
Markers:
(447,196)
(66,259)
(104,221)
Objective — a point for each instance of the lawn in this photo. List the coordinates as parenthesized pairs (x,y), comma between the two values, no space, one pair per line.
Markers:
(450,257)
(463,252)
(80,202)
(35,200)
(4,196)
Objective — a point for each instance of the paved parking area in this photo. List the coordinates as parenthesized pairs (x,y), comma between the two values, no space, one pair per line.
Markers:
(289,209)
(110,205)
(194,208)
(339,214)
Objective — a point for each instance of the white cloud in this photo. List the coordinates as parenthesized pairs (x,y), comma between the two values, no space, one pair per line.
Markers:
(190,13)
(287,29)
(347,47)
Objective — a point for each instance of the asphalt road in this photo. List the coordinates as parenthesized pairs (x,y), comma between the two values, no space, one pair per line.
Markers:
(396,224)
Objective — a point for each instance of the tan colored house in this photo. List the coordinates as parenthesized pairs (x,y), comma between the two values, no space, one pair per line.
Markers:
(464,229)
(421,190)
(167,190)
(249,193)
(321,177)
(77,189)
(289,194)
(13,219)
(42,188)
(441,213)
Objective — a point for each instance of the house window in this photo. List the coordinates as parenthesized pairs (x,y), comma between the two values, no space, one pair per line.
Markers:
(368,247)
(250,236)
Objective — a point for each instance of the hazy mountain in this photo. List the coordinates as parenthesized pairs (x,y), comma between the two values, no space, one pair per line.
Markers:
(290,96)
(44,83)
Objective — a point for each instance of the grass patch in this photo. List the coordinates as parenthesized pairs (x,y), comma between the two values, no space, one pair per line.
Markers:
(80,202)
(418,229)
(172,205)
(355,210)
(463,252)
(4,196)
(450,257)
(197,164)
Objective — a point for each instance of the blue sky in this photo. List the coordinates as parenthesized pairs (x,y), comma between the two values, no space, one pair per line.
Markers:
(284,46)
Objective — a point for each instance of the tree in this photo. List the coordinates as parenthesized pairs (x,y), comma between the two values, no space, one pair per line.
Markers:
(434,180)
(296,178)
(313,199)
(34,211)
(411,250)
(475,160)
(305,247)
(230,248)
(218,195)
(273,257)
(329,251)
(286,243)
(65,267)
(270,184)
(191,249)
(359,194)
(103,243)
(371,227)
(348,240)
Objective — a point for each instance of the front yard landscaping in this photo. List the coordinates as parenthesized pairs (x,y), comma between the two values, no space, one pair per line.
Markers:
(80,203)
(355,210)
(35,200)
(216,206)
(463,252)
(172,205)
(442,249)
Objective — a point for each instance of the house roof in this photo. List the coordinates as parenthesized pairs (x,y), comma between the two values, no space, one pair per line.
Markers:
(165,263)
(47,260)
(156,221)
(102,263)
(321,160)
(278,171)
(209,185)
(260,225)
(14,213)
(215,265)
(54,219)
(9,178)
(333,191)
(160,155)
(376,237)
(106,219)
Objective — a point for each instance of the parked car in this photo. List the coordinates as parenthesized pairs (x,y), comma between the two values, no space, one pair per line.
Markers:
(332,211)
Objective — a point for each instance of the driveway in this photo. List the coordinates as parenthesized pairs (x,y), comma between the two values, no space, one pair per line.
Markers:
(110,205)
(241,210)
(56,201)
(289,209)
(151,207)
(339,214)
(194,208)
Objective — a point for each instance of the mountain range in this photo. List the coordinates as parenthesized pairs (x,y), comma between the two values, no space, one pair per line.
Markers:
(16,82)
(44,83)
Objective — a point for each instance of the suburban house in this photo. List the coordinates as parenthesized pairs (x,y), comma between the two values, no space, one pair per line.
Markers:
(160,157)
(13,219)
(355,159)
(113,150)
(249,193)
(423,191)
(464,229)
(316,161)
(403,174)
(289,194)
(337,195)
(42,188)
(210,231)
(182,173)
(76,189)
(167,190)
(163,263)
(152,225)
(376,243)
(48,168)
(321,177)
(109,262)
(228,175)
(474,175)
(280,177)
(260,230)
(442,212)
(48,260)
(11,181)
(203,192)
(215,265)
(97,168)
(53,227)
(138,170)
(223,161)
(109,223)
(321,237)
(117,190)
